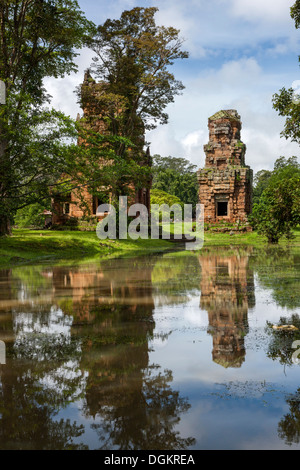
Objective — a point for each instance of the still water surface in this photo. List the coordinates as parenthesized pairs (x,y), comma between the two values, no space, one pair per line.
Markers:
(172,351)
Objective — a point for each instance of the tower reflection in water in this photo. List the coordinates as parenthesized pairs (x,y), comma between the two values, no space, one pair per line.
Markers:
(227,293)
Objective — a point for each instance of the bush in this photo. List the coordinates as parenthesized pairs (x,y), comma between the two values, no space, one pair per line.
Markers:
(278,210)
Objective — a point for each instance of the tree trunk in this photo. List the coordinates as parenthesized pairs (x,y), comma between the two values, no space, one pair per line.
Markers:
(5,220)
(5,225)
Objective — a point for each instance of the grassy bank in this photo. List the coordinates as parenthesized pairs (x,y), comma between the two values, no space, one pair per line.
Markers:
(37,246)
(248,238)
(213,237)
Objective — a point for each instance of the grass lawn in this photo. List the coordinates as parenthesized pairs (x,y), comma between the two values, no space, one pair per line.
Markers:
(39,245)
(50,246)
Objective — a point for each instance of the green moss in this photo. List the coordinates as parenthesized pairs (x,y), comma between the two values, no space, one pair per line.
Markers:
(240,144)
(223,114)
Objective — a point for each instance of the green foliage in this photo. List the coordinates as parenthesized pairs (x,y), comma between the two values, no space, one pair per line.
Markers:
(176,176)
(288,106)
(32,216)
(161,197)
(179,165)
(260,183)
(295,13)
(35,157)
(287,102)
(133,56)
(278,209)
(38,39)
(70,224)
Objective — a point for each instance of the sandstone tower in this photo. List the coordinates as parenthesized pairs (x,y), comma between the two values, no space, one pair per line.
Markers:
(225,183)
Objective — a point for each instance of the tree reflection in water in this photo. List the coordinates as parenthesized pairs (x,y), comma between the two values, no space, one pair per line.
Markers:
(142,417)
(289,425)
(39,379)
(132,402)
(89,345)
(79,339)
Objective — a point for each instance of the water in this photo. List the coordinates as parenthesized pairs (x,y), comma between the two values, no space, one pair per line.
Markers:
(173,351)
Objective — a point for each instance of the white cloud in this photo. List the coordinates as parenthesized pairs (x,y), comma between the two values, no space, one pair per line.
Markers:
(163,141)
(264,148)
(238,74)
(231,25)
(194,139)
(238,79)
(193,144)
(241,85)
(263,11)
(62,90)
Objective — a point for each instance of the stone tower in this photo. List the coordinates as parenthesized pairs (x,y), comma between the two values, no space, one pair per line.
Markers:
(225,183)
(102,113)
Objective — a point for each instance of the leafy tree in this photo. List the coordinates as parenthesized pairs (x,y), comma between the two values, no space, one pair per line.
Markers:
(180,165)
(287,102)
(261,180)
(133,57)
(161,197)
(38,39)
(278,210)
(176,176)
(32,215)
(133,88)
(34,159)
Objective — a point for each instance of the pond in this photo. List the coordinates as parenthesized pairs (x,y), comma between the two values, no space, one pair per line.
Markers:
(175,351)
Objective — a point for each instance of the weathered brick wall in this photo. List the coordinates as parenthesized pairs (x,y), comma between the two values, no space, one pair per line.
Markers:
(225,177)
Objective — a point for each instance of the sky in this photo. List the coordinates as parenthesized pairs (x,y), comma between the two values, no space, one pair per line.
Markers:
(241,52)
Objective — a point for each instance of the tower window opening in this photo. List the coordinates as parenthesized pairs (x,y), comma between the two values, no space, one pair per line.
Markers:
(222,209)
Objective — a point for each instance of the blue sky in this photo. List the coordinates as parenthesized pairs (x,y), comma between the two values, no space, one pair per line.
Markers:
(241,53)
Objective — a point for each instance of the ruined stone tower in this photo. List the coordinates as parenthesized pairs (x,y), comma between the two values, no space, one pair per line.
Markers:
(225,183)
(102,113)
